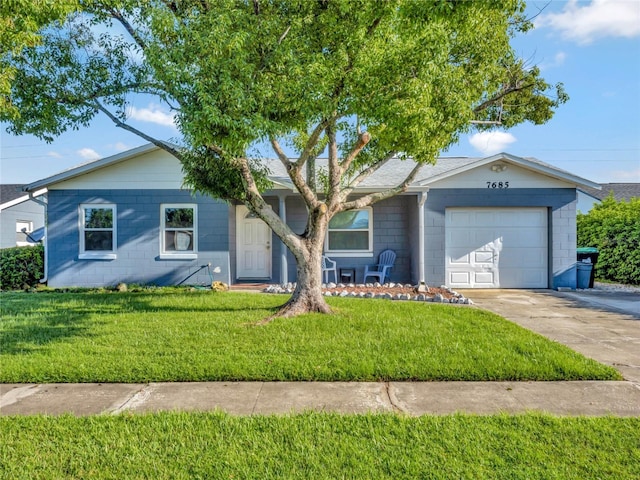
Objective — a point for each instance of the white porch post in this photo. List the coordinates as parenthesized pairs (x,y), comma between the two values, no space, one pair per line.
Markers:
(422,198)
(282,209)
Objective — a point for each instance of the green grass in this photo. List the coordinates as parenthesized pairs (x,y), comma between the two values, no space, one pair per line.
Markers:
(318,446)
(198,336)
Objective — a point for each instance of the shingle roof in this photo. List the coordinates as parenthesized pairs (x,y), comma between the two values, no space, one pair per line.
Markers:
(391,174)
(11,191)
(621,191)
(396,170)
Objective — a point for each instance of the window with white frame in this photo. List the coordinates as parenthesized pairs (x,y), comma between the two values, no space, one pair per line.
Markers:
(178,229)
(351,232)
(97,231)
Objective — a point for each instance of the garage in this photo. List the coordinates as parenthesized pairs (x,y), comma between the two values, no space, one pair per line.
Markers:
(496,247)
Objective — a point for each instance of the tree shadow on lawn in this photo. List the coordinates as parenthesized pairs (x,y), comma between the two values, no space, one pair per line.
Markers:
(35,324)
(31,321)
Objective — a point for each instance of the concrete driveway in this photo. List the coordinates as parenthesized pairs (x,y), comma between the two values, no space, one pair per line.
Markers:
(604,326)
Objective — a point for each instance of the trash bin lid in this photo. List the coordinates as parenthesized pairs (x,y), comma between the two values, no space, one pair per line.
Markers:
(588,250)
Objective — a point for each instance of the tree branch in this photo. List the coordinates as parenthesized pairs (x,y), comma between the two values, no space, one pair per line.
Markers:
(363,139)
(492,101)
(335,171)
(294,170)
(119,123)
(128,27)
(257,204)
(370,199)
(366,173)
(312,142)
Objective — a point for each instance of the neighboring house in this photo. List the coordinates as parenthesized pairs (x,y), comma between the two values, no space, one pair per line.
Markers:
(501,221)
(589,197)
(21,217)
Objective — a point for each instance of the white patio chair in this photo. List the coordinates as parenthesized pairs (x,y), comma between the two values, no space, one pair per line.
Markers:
(329,265)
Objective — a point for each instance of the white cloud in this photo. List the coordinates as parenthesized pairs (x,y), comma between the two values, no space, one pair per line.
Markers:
(152,114)
(54,154)
(585,23)
(489,143)
(88,154)
(626,175)
(558,61)
(120,147)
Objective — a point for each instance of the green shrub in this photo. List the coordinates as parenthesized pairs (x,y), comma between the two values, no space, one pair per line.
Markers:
(21,267)
(614,229)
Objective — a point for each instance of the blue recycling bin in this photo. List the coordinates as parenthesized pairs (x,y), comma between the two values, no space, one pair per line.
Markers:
(584,274)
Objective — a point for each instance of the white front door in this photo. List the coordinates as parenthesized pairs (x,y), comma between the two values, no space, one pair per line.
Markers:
(253,246)
(496,247)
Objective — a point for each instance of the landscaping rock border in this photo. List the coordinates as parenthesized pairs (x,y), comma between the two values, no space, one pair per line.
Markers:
(388,291)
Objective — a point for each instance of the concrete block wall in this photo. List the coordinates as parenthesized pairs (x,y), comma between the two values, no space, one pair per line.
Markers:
(391,226)
(138,240)
(561,205)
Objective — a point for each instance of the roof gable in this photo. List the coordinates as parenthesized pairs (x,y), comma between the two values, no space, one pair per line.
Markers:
(501,163)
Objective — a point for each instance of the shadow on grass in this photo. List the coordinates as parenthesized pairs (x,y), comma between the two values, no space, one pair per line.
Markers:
(30,321)
(28,326)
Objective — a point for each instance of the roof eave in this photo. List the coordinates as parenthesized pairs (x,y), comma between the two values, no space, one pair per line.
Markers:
(89,167)
(523,162)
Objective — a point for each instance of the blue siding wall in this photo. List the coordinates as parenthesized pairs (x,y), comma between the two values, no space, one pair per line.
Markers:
(391,224)
(561,203)
(395,223)
(138,239)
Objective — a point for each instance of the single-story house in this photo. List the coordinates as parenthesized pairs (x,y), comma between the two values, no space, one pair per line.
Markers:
(497,222)
(21,216)
(589,197)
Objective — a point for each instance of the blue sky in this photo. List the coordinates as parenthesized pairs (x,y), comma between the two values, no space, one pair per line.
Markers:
(593,47)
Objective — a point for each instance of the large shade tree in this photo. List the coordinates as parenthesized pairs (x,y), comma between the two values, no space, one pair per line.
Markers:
(359,81)
(20,21)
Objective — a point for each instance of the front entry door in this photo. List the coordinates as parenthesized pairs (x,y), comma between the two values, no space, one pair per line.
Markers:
(253,242)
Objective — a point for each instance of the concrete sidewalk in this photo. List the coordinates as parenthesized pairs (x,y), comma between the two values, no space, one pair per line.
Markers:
(249,398)
(602,331)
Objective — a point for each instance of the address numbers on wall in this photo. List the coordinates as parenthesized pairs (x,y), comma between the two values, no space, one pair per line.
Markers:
(500,185)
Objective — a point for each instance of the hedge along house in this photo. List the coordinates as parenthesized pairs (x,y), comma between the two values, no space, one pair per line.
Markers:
(496,222)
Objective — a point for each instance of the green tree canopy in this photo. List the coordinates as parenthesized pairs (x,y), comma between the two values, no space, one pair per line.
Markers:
(614,229)
(361,80)
(20,22)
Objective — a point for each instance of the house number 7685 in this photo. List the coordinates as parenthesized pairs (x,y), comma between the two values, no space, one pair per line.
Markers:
(497,184)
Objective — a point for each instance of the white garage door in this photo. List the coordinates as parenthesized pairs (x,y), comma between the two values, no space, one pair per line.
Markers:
(496,247)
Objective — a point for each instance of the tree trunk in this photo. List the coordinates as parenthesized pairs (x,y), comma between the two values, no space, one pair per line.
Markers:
(307,297)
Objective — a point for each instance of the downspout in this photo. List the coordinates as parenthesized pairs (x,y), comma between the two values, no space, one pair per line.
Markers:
(422,198)
(45,278)
(282,209)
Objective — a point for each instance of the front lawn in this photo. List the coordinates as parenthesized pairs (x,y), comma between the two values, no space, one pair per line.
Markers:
(199,336)
(319,445)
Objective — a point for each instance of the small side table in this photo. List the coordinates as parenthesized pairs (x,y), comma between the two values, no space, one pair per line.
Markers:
(347,275)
